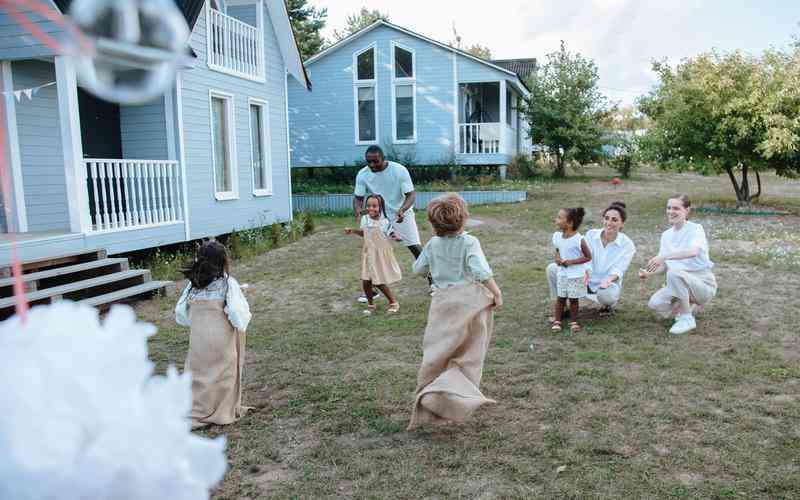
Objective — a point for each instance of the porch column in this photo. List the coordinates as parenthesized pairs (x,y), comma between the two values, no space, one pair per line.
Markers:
(503,111)
(177,108)
(19,223)
(70,122)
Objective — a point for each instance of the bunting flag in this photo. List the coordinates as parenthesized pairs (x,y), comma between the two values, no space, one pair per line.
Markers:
(29,93)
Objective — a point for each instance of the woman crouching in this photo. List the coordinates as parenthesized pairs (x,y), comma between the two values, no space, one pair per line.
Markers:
(460,319)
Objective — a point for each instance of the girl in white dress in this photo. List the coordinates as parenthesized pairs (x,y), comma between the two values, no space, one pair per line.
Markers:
(683,257)
(572,258)
(215,309)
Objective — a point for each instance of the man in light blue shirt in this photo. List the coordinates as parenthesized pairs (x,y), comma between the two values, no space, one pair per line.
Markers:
(393,182)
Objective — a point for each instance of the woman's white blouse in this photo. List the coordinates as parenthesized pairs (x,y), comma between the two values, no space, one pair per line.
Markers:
(236,307)
(610,260)
(691,235)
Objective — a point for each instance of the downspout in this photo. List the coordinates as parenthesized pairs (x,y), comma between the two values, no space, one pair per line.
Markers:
(288,141)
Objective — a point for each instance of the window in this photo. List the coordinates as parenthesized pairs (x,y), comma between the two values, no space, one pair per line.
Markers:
(509,107)
(222,146)
(365,64)
(404,113)
(366,114)
(365,96)
(403,63)
(260,148)
(404,106)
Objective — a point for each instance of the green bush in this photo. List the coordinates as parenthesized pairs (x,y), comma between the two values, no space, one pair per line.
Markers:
(275,234)
(307,219)
(522,167)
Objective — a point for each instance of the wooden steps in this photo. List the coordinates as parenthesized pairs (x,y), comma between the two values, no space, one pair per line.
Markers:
(88,277)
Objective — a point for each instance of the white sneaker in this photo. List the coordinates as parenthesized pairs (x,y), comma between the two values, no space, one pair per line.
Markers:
(684,324)
(363,298)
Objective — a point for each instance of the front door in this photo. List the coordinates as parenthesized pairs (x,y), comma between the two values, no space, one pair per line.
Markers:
(101,135)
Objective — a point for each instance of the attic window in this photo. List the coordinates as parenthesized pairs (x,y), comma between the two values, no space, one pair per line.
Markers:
(365,64)
(403,63)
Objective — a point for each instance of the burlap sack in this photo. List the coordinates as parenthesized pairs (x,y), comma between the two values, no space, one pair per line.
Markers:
(457,336)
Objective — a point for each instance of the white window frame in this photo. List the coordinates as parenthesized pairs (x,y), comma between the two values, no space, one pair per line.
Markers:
(374,78)
(413,76)
(413,85)
(266,151)
(359,142)
(400,82)
(366,83)
(233,194)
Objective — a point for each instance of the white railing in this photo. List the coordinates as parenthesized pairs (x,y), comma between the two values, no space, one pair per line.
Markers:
(235,47)
(130,194)
(479,138)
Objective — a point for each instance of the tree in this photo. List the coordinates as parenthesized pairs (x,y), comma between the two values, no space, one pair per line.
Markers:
(308,23)
(357,22)
(727,113)
(479,50)
(624,127)
(475,49)
(566,109)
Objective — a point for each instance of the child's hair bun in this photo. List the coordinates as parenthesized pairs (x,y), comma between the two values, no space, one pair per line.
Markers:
(620,204)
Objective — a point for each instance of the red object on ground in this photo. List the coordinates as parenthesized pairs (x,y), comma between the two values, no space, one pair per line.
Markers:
(616,181)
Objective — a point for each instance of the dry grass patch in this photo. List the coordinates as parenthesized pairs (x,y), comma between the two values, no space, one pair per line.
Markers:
(622,410)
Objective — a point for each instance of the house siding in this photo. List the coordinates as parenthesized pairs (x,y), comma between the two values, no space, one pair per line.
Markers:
(209,217)
(245,13)
(143,130)
(41,155)
(322,122)
(16,42)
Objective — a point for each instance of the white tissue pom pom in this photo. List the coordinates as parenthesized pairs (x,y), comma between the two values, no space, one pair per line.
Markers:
(83,417)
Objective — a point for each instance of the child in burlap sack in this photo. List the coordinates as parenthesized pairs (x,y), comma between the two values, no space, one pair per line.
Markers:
(216,310)
(460,320)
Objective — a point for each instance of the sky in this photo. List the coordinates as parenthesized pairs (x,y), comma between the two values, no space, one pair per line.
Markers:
(621,36)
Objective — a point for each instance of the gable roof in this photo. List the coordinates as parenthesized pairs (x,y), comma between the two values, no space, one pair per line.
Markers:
(380,22)
(522,67)
(279,15)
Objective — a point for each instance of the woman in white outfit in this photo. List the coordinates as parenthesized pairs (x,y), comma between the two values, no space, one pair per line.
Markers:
(683,255)
(612,252)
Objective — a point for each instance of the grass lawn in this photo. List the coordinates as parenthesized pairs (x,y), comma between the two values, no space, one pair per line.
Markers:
(622,410)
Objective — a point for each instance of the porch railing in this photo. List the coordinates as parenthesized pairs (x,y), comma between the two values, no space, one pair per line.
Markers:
(234,46)
(479,138)
(130,194)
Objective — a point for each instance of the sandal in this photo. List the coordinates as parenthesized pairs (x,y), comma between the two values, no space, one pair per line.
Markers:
(574,327)
(393,308)
(606,312)
(556,326)
(369,310)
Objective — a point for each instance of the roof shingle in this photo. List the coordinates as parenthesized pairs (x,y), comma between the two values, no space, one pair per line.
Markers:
(522,67)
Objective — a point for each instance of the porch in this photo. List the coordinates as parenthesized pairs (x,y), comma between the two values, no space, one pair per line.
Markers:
(84,171)
(488,125)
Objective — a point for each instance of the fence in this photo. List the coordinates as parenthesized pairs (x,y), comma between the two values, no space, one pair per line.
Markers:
(128,194)
(344,202)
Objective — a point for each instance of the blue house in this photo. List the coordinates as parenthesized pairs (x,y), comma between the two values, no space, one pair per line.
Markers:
(416,97)
(209,156)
